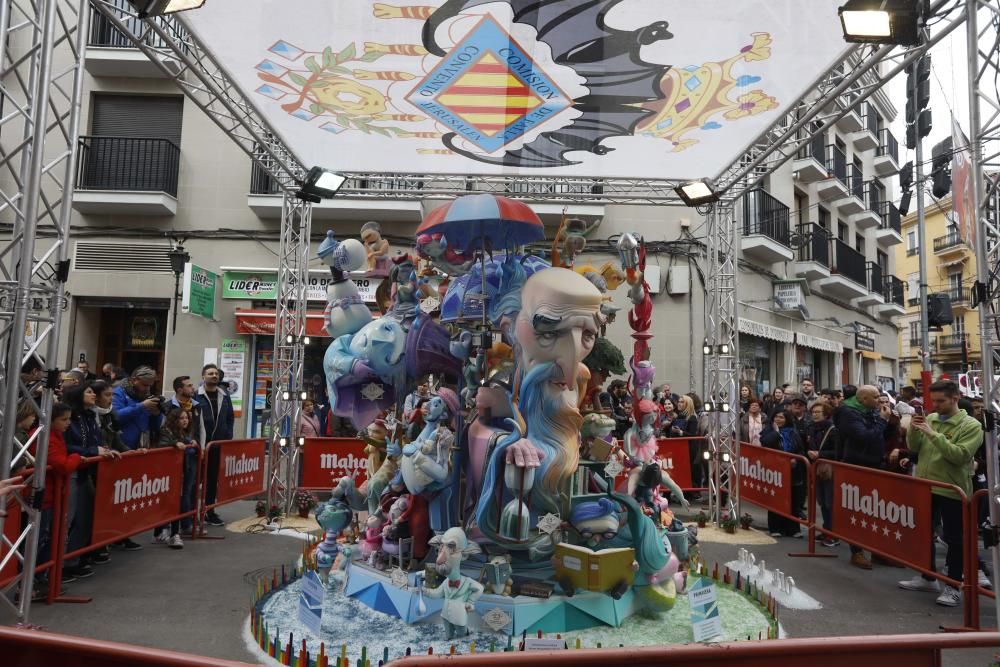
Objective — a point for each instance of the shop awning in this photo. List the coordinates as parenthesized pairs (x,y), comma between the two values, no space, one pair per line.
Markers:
(761,330)
(871,355)
(261,321)
(818,343)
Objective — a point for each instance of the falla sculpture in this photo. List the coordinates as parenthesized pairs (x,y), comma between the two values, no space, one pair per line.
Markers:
(506,494)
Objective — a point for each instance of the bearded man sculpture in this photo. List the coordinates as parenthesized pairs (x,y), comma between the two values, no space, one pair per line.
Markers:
(528,472)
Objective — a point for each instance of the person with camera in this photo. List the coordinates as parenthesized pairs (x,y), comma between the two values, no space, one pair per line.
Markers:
(139,413)
(218,417)
(184,398)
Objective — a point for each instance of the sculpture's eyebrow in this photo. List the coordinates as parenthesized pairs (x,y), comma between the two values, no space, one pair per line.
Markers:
(545,323)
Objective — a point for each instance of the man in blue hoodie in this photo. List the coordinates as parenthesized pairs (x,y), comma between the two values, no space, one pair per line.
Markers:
(138,412)
(217,417)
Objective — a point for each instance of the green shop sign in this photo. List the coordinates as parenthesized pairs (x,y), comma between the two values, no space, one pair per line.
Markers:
(199,291)
(249,285)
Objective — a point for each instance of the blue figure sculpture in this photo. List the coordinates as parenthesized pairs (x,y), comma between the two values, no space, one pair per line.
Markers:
(333,517)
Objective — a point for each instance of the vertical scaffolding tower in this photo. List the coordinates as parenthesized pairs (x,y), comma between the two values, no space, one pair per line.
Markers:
(983,52)
(41,81)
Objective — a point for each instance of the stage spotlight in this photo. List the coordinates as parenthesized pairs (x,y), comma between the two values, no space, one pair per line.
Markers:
(706,349)
(286,395)
(725,407)
(882,21)
(696,193)
(302,442)
(306,341)
(147,8)
(283,442)
(320,184)
(709,406)
(289,339)
(303,396)
(707,456)
(725,456)
(724,349)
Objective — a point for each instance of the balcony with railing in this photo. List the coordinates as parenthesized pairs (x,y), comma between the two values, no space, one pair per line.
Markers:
(765,228)
(848,272)
(853,201)
(951,244)
(851,121)
(953,342)
(111,53)
(810,162)
(886,162)
(875,281)
(866,138)
(812,259)
(960,297)
(835,186)
(889,232)
(868,216)
(892,293)
(126,176)
(387,197)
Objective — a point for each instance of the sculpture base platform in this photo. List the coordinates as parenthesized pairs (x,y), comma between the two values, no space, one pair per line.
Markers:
(556,614)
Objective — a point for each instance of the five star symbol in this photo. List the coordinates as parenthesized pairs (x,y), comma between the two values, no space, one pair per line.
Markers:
(854,520)
(874,527)
(899,536)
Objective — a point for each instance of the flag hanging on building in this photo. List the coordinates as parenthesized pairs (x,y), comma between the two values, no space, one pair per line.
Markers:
(962,205)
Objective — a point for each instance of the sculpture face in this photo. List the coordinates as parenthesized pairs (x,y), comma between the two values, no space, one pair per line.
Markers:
(380,343)
(436,408)
(558,323)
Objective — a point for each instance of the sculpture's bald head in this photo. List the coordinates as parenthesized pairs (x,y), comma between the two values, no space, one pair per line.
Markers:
(559,321)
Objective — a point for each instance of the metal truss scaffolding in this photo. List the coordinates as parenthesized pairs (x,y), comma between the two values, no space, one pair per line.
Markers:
(40,87)
(289,350)
(983,52)
(721,379)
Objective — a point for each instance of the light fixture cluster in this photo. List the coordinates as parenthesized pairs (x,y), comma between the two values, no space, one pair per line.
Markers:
(883,21)
(288,393)
(708,349)
(290,339)
(283,441)
(147,8)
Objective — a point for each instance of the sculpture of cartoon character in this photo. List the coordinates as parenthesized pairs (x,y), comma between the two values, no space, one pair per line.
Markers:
(459,592)
(362,370)
(596,441)
(426,462)
(641,446)
(435,249)
(642,378)
(345,311)
(377,248)
(333,517)
(497,575)
(569,242)
(598,523)
(554,327)
(407,290)
(372,543)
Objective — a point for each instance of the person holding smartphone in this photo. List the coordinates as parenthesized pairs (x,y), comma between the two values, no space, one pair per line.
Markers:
(946,442)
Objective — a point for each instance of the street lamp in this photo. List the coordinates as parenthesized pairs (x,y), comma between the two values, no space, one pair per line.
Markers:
(178,258)
(147,8)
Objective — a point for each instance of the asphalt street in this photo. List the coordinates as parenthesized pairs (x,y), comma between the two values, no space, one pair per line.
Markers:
(196,600)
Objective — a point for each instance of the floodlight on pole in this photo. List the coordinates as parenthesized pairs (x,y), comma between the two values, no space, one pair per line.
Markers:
(320,184)
(147,8)
(696,193)
(882,21)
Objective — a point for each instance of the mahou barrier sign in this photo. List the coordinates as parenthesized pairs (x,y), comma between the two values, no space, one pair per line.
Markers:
(137,492)
(766,477)
(890,513)
(325,460)
(241,469)
(675,459)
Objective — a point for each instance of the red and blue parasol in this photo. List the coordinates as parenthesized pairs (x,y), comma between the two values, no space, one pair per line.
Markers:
(470,221)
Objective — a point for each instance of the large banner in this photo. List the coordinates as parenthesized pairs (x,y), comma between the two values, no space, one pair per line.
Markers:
(616,88)
(891,513)
(964,215)
(241,469)
(137,492)
(765,477)
(325,460)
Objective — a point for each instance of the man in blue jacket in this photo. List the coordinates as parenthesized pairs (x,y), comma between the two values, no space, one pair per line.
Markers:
(861,425)
(138,413)
(217,417)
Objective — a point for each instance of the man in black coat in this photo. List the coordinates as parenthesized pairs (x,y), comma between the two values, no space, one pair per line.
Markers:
(861,425)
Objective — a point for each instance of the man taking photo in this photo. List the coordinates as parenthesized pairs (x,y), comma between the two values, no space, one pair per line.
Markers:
(945,442)
(217,418)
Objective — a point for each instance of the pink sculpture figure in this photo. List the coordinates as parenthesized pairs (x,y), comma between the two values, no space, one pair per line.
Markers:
(372,543)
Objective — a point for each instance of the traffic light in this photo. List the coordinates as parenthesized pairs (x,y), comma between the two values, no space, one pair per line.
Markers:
(941,168)
(918,116)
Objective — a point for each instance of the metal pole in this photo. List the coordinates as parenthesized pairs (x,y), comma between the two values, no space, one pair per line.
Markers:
(925,361)
(988,338)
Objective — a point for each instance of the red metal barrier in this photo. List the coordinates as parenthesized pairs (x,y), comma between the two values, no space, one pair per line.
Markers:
(765,478)
(30,648)
(972,557)
(877,651)
(241,470)
(12,528)
(675,458)
(325,460)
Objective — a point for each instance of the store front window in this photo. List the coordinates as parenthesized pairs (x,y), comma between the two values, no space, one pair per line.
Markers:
(808,364)
(755,363)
